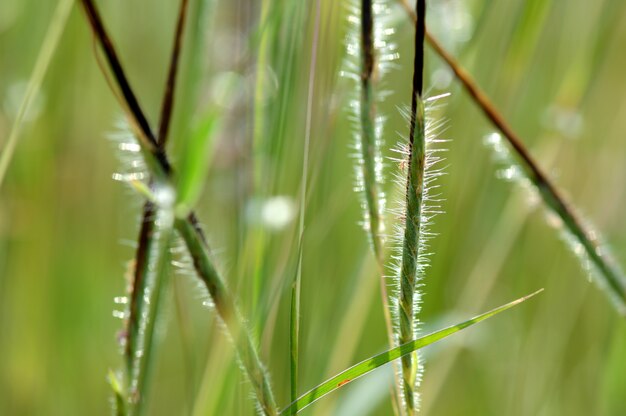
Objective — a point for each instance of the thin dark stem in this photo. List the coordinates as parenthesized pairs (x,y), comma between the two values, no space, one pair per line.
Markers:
(367,25)
(167,104)
(418,65)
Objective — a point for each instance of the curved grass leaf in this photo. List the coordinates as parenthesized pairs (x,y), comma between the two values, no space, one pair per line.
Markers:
(118,394)
(381,359)
(196,160)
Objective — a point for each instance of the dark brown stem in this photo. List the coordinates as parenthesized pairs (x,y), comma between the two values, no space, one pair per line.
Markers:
(170,86)
(418,64)
(367,26)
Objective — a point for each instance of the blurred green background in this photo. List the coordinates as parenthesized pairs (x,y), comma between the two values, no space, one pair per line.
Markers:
(555,68)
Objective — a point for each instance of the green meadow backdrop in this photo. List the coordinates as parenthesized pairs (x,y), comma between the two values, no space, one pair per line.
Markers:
(555,70)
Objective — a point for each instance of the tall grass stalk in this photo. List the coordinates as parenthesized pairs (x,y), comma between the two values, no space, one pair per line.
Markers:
(410,266)
(49,46)
(588,245)
(294,321)
(188,228)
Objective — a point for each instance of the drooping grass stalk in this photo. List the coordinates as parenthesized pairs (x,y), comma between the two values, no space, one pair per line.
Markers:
(49,46)
(229,313)
(593,255)
(410,268)
(609,274)
(372,363)
(159,166)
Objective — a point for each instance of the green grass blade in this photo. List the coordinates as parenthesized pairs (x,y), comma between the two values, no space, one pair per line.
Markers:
(294,337)
(196,160)
(50,42)
(381,359)
(294,331)
(118,394)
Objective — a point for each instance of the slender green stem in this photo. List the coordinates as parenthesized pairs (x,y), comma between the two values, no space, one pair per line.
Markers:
(409,273)
(294,337)
(118,395)
(153,273)
(50,42)
(265,43)
(229,313)
(611,276)
(294,333)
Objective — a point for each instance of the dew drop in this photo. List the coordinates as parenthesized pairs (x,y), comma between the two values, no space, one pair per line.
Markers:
(120,300)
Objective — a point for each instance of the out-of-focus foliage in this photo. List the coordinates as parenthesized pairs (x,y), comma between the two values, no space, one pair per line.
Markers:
(554,67)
